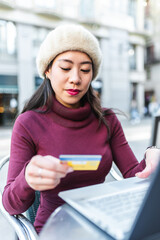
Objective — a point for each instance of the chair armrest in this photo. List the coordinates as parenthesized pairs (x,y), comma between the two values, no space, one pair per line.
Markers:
(29,228)
(4,160)
(115,175)
(15,223)
(22,226)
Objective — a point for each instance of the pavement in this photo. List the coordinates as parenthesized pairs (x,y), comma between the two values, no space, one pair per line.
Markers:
(6,230)
(5,139)
(138,136)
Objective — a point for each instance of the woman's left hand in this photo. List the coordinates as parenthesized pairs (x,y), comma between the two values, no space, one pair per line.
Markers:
(152,157)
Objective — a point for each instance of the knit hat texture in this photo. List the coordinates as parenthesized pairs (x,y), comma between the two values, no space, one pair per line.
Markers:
(68,37)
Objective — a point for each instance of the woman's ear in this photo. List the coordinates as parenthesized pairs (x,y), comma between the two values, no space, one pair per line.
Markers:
(47,74)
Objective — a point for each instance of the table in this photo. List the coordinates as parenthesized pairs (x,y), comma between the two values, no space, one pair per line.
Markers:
(66,223)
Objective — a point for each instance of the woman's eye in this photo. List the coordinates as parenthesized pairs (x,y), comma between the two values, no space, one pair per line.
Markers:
(85,70)
(65,69)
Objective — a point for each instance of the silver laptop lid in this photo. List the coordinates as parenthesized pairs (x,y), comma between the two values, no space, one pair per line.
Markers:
(85,200)
(146,224)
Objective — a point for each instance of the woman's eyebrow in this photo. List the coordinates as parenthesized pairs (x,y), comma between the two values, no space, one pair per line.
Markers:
(70,61)
(65,60)
(86,62)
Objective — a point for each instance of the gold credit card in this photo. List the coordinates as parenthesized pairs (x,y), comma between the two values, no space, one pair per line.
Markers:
(81,162)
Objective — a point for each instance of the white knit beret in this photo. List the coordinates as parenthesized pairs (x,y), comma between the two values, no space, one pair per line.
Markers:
(65,38)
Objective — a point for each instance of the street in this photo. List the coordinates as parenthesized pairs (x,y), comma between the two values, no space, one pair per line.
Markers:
(138,136)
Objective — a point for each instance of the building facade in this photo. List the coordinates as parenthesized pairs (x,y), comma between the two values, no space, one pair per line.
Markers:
(153,58)
(120,27)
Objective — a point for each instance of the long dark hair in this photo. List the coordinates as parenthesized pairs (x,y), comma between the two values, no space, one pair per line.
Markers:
(42,100)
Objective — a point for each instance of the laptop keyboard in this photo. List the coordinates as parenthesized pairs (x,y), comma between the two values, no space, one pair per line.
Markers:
(117,212)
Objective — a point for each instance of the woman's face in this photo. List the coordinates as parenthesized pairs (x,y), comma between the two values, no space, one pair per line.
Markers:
(70,75)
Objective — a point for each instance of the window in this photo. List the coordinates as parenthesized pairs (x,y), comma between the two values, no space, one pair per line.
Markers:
(132,57)
(39,35)
(69,8)
(8,35)
(150,54)
(24,4)
(132,9)
(51,4)
(8,84)
(8,99)
(87,9)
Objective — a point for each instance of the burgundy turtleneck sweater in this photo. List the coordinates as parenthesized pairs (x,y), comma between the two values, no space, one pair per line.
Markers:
(63,131)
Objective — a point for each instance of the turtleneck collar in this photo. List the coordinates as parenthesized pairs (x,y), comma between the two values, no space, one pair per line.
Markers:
(70,117)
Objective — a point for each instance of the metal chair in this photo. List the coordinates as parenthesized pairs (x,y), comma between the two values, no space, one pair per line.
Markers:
(155,134)
(23,225)
(114,174)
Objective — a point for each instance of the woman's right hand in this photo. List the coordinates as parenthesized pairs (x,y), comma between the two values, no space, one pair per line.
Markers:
(45,172)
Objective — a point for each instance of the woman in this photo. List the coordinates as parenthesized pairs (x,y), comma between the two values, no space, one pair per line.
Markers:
(64,117)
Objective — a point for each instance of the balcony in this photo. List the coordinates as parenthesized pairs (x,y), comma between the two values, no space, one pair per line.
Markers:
(9,4)
(137,77)
(46,12)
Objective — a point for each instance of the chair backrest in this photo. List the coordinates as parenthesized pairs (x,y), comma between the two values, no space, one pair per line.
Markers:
(155,135)
(114,174)
(32,211)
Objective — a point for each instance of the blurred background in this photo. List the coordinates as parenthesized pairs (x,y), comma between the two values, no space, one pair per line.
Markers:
(129,35)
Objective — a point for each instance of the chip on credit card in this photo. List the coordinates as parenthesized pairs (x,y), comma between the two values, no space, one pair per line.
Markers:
(81,162)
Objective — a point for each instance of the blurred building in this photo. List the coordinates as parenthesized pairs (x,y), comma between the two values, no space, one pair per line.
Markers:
(122,28)
(152,93)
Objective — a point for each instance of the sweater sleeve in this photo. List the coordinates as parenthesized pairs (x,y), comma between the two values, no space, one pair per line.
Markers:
(18,196)
(123,156)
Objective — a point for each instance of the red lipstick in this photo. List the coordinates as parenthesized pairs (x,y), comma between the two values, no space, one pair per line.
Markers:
(73,91)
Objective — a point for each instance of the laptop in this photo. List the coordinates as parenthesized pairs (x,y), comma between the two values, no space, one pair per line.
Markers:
(128,209)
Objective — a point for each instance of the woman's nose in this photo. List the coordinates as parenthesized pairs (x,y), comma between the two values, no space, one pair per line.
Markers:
(75,77)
